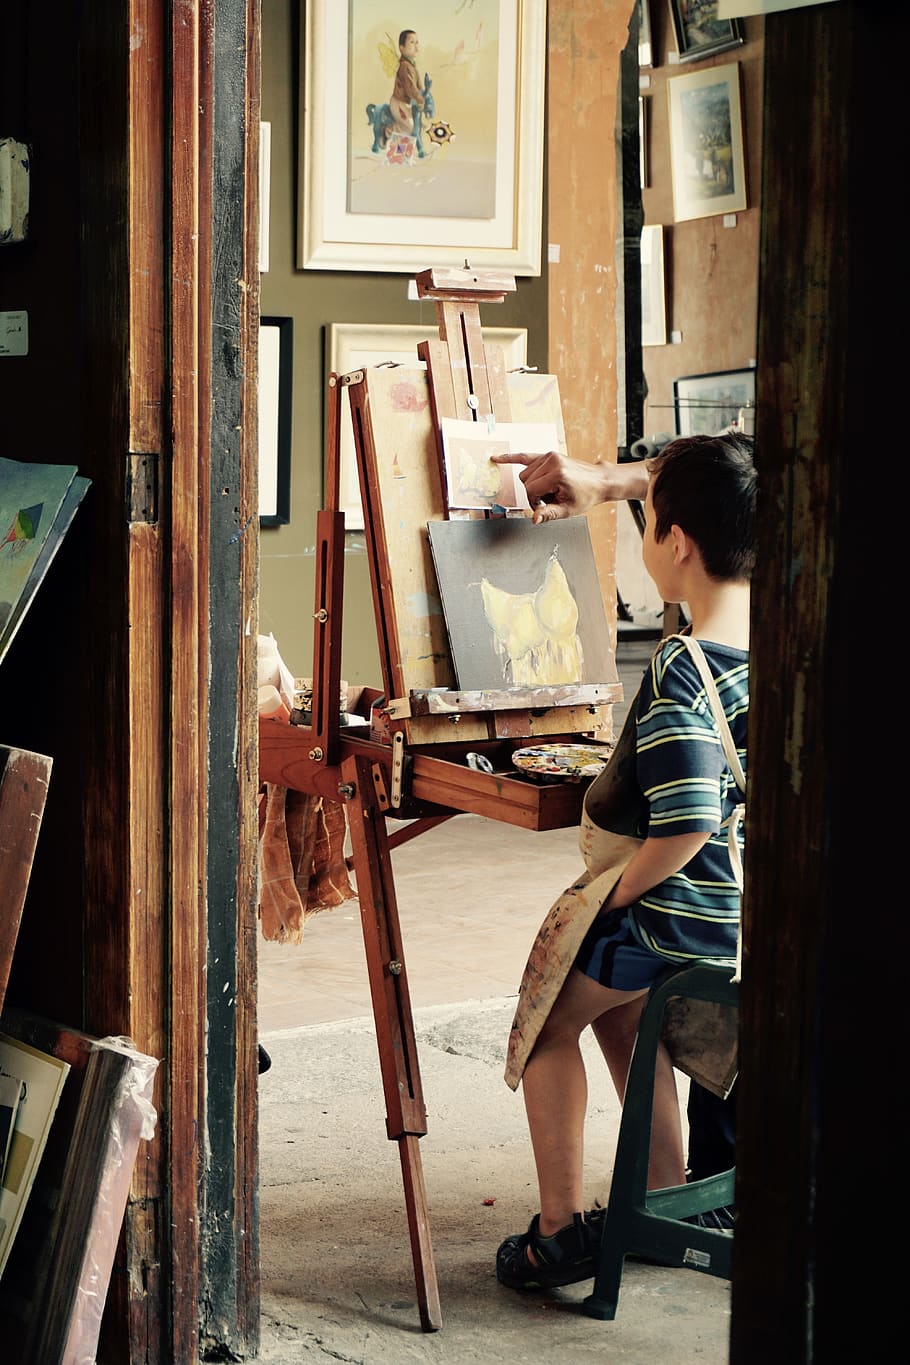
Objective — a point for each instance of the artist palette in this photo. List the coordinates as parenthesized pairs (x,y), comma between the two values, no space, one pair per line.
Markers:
(549,762)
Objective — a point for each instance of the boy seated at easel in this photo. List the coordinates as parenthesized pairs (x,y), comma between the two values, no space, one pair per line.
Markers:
(677,899)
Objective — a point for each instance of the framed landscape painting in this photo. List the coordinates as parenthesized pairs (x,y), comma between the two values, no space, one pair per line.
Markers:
(707,160)
(422,147)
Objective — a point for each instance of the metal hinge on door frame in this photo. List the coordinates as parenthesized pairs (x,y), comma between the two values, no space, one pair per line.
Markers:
(142,488)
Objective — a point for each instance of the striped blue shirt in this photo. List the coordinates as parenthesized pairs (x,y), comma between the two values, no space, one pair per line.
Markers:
(683,773)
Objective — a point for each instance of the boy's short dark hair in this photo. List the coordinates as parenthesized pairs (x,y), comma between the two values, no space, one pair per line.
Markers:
(404,35)
(707,486)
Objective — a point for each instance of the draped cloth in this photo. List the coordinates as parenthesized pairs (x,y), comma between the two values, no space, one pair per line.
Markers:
(302,867)
(607,840)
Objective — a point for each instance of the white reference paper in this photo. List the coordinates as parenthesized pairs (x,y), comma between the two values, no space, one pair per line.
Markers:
(472,480)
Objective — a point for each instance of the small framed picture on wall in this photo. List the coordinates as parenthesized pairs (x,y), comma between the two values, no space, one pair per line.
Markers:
(645,50)
(276,341)
(699,32)
(707,403)
(653,295)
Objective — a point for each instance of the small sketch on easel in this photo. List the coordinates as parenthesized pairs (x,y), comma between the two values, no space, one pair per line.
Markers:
(522,608)
(472,480)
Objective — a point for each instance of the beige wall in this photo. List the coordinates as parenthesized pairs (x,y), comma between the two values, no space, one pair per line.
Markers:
(711,301)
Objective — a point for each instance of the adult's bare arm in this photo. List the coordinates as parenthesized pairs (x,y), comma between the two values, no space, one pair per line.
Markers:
(560,487)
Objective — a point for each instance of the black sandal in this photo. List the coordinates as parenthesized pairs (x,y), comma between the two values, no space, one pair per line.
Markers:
(564,1258)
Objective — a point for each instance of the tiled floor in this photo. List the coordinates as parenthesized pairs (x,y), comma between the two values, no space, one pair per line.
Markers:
(471,893)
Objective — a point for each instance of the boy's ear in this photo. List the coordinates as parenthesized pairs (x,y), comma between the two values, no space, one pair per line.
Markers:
(682,546)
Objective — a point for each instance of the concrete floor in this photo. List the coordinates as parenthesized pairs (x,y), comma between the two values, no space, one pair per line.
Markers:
(337,1275)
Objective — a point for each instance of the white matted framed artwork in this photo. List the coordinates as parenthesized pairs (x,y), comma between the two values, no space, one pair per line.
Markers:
(423,147)
(707,160)
(276,378)
(653,290)
(355,346)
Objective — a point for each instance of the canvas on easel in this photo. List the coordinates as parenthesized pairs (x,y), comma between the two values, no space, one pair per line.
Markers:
(522,603)
(398,416)
(403,491)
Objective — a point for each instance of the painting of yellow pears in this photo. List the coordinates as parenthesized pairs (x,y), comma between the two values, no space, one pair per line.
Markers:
(535,633)
(522,603)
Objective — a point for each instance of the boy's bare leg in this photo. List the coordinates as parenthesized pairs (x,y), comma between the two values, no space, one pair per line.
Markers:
(556,1092)
(615,1032)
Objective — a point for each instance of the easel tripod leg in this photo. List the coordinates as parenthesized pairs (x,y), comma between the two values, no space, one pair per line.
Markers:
(406,1117)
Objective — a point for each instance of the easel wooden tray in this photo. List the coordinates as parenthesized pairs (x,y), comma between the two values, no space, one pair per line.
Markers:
(437,778)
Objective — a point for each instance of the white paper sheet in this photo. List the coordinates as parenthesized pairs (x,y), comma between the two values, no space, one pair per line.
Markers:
(472,480)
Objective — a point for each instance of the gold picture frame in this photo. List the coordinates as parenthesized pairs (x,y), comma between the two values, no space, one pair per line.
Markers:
(707,158)
(466,183)
(354,346)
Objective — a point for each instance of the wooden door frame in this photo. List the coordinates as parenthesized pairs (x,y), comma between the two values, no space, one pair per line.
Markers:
(821,1020)
(171,300)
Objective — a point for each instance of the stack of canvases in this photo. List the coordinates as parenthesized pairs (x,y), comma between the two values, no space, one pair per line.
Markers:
(302,867)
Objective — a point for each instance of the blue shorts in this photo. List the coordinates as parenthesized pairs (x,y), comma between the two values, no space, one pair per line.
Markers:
(611,954)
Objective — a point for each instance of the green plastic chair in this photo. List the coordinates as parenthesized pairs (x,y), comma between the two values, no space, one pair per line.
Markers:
(649,1223)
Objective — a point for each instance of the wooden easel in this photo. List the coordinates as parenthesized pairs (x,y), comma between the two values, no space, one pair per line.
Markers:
(420,774)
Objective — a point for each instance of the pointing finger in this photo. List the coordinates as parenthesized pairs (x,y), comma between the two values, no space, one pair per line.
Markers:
(548,511)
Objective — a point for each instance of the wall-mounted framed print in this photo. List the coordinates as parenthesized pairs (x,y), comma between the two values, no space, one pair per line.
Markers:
(706,403)
(354,346)
(422,147)
(645,50)
(699,32)
(707,161)
(276,379)
(653,291)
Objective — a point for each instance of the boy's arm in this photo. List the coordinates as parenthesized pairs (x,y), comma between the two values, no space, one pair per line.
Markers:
(651,864)
(560,487)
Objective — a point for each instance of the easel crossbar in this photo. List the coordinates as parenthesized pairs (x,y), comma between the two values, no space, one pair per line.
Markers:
(444,701)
